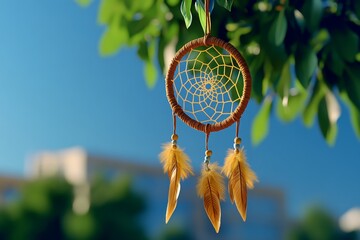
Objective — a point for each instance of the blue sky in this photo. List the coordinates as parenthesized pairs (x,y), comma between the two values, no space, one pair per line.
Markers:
(57,92)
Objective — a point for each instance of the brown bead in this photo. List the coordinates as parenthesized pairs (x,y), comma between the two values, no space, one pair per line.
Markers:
(208,153)
(237,140)
(174,137)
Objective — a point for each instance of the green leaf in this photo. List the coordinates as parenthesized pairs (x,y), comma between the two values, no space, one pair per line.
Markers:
(335,63)
(328,129)
(260,126)
(106,11)
(288,109)
(346,42)
(202,16)
(226,4)
(305,64)
(150,70)
(312,12)
(185,9)
(113,38)
(173,3)
(355,119)
(320,39)
(352,83)
(150,74)
(354,113)
(258,75)
(278,29)
(283,85)
(257,86)
(311,108)
(83,3)
(132,7)
(143,51)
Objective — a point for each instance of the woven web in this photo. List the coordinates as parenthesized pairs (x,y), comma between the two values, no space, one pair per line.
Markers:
(208,84)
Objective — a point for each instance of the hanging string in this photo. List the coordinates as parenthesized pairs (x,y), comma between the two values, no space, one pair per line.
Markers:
(207,134)
(207,141)
(174,123)
(208,152)
(237,128)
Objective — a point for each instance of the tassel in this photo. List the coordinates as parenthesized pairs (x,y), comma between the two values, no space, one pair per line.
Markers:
(211,188)
(241,177)
(176,165)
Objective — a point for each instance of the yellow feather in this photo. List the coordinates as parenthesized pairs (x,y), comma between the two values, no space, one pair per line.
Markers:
(171,156)
(211,188)
(177,165)
(241,177)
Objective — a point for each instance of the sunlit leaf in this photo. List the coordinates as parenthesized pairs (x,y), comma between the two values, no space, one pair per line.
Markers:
(150,67)
(283,85)
(185,9)
(328,129)
(278,29)
(106,11)
(150,74)
(319,40)
(134,7)
(201,13)
(225,3)
(333,107)
(289,110)
(305,64)
(173,2)
(311,108)
(113,39)
(260,126)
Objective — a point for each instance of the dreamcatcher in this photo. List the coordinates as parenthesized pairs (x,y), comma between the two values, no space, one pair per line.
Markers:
(208,87)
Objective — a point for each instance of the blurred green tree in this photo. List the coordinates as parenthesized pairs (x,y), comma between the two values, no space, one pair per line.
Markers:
(45,211)
(303,54)
(318,224)
(175,233)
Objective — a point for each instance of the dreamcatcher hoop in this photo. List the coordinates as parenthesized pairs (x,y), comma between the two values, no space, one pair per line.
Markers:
(178,110)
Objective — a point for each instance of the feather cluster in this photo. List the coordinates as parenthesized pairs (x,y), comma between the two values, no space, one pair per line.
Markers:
(241,177)
(211,188)
(177,165)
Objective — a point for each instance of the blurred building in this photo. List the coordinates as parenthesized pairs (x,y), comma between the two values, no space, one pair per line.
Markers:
(266,210)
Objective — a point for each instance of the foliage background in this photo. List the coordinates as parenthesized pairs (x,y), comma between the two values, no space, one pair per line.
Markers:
(303,55)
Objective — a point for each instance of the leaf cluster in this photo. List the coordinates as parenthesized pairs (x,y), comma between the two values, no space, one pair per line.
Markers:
(303,54)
